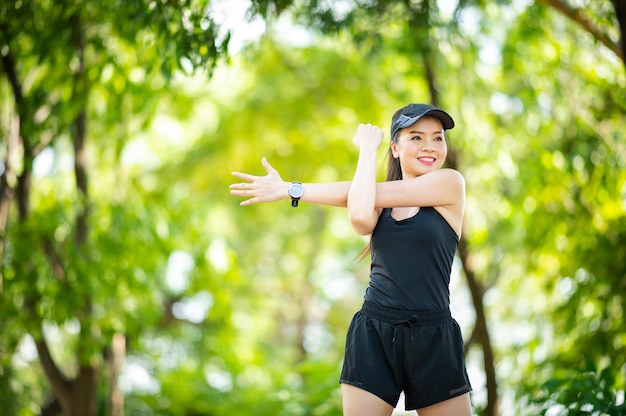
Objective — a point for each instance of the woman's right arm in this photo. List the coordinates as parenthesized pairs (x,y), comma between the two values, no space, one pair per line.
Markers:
(362,197)
(272,187)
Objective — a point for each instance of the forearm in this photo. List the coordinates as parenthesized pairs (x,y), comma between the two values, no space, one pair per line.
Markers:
(331,194)
(362,195)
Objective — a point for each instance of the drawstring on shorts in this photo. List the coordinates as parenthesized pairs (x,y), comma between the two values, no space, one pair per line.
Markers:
(397,318)
(397,324)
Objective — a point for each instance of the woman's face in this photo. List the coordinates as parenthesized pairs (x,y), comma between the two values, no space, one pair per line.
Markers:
(421,148)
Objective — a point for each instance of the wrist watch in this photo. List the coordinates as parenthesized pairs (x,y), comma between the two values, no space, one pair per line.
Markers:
(295,192)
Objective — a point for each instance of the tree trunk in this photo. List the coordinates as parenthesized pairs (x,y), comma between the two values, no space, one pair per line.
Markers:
(115,404)
(14,138)
(76,397)
(481,331)
(6,191)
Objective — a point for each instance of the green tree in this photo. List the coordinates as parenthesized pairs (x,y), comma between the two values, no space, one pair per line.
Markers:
(138,250)
(71,255)
(573,208)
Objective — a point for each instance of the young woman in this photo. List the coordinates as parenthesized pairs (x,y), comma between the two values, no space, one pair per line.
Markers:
(403,338)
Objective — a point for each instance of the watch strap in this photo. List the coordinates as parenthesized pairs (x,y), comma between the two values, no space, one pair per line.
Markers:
(295,199)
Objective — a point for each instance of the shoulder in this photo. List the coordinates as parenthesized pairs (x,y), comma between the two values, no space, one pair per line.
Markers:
(446,178)
(453,187)
(449,178)
(456,179)
(451,175)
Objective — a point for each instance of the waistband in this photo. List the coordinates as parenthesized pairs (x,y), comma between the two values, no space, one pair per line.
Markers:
(397,316)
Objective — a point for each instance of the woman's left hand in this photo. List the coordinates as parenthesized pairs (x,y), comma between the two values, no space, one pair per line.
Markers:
(266,188)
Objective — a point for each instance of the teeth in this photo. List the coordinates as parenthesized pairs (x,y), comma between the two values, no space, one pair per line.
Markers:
(427,159)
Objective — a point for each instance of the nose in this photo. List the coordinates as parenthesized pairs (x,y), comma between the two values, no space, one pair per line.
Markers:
(429,145)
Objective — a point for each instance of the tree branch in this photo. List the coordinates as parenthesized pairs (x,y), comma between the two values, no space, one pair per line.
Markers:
(80,124)
(60,385)
(55,263)
(8,64)
(620,12)
(577,15)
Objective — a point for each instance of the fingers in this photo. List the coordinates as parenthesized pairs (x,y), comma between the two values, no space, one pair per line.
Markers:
(253,196)
(244,176)
(243,188)
(240,190)
(268,168)
(368,136)
(369,130)
(256,188)
(248,202)
(251,178)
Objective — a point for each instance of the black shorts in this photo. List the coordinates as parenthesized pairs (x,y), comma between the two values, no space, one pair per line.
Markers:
(421,353)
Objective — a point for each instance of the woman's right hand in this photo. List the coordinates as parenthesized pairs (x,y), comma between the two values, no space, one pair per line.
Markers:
(368,137)
(266,188)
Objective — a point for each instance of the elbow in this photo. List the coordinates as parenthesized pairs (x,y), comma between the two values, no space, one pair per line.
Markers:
(362,225)
(361,230)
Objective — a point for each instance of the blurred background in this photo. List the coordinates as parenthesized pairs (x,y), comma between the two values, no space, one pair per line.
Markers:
(133,283)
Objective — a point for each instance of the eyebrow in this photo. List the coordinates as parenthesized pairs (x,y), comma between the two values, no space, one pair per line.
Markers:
(425,132)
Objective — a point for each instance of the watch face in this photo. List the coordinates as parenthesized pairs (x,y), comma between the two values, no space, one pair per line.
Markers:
(296,190)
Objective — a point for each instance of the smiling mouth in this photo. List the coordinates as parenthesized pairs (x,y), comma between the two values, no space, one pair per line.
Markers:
(426,159)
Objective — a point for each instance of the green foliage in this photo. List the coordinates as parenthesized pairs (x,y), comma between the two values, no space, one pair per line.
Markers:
(566,187)
(573,392)
(77,295)
(231,310)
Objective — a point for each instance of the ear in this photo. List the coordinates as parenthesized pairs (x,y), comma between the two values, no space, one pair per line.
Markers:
(394,150)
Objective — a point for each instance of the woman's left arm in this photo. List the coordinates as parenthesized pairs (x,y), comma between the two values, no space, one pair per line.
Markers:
(271,188)
(441,188)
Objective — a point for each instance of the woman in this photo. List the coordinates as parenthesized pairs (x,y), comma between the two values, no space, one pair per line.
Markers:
(403,338)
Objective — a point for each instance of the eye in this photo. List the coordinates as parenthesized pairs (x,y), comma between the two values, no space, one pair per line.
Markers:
(439,138)
(416,138)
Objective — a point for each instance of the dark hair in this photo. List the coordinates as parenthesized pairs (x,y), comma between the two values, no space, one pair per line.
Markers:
(394,170)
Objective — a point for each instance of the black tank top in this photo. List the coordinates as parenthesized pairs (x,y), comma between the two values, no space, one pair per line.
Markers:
(412,261)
